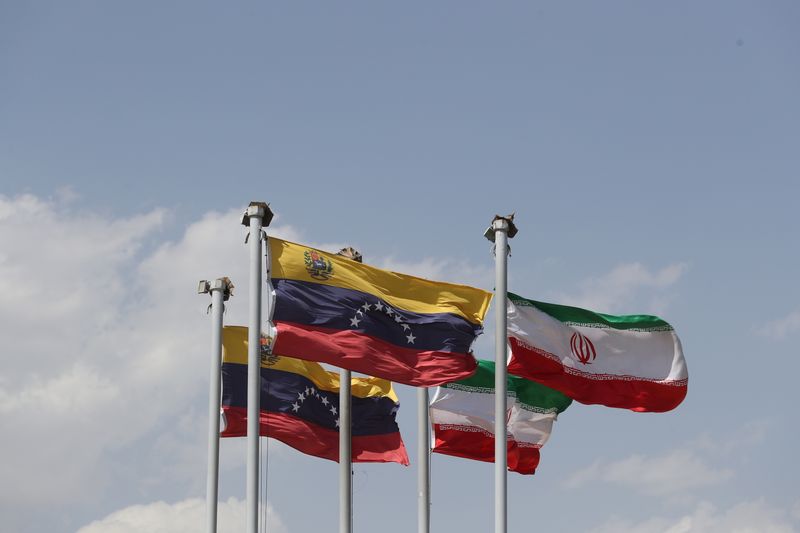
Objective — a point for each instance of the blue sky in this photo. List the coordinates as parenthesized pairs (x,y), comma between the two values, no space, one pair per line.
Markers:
(650,151)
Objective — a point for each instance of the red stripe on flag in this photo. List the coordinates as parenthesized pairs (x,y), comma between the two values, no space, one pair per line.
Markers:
(314,440)
(625,392)
(369,355)
(478,445)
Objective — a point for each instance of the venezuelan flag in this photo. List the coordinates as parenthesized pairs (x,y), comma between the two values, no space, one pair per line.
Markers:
(407,329)
(300,406)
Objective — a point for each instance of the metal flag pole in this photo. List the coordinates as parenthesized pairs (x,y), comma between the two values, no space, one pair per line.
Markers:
(221,290)
(424,462)
(499,232)
(345,434)
(345,454)
(257,216)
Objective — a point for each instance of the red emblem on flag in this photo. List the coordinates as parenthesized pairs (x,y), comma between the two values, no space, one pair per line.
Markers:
(582,348)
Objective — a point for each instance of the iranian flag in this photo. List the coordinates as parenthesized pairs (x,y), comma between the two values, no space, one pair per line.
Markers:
(632,361)
(462,414)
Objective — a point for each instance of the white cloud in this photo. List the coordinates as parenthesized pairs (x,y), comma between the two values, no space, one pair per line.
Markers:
(748,435)
(676,472)
(617,290)
(682,472)
(746,517)
(109,347)
(62,291)
(78,389)
(781,328)
(61,272)
(796,510)
(184,516)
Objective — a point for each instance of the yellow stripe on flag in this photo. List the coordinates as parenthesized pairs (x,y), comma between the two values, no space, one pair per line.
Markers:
(418,295)
(234,350)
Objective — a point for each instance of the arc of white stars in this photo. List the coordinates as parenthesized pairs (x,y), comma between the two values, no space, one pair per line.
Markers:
(312,392)
(386,308)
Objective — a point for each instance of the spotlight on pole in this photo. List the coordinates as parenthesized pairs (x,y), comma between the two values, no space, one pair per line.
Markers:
(258,209)
(512,229)
(220,284)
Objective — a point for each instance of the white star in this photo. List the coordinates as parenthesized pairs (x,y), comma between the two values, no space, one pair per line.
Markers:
(366,307)
(301,396)
(354,321)
(388,311)
(337,422)
(308,390)
(406,327)
(295,407)
(359,312)
(397,318)
(333,409)
(378,307)
(410,338)
(325,401)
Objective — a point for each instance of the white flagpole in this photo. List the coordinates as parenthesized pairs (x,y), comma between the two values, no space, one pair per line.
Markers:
(257,215)
(345,435)
(220,290)
(424,462)
(501,230)
(345,454)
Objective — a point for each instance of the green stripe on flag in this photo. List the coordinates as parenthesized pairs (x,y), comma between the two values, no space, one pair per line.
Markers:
(535,397)
(575,316)
(531,396)
(481,381)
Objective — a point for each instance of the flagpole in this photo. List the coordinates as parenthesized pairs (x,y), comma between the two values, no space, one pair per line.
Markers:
(345,454)
(501,230)
(257,215)
(424,462)
(345,433)
(220,290)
